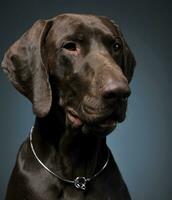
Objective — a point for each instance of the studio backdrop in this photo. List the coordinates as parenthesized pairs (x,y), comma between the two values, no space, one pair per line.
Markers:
(141,144)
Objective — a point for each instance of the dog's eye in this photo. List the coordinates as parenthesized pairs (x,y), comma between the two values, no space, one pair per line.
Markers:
(71,46)
(116,46)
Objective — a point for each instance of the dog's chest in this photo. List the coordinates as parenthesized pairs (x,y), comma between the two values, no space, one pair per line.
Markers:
(58,191)
(86,195)
(46,188)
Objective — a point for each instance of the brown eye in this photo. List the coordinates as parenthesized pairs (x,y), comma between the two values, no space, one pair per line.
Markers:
(116,46)
(71,46)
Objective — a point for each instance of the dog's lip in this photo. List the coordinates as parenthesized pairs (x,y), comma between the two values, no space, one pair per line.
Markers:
(105,122)
(108,123)
(73,117)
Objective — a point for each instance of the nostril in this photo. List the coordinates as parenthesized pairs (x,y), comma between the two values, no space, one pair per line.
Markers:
(116,91)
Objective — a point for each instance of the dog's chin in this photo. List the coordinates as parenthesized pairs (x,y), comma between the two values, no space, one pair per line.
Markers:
(99,130)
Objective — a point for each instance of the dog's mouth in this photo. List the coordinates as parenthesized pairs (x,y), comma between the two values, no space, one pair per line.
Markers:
(73,118)
(108,122)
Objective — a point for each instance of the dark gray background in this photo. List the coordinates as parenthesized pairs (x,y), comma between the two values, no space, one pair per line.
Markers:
(142,144)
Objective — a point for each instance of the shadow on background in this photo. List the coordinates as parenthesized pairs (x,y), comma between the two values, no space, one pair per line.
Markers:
(142,144)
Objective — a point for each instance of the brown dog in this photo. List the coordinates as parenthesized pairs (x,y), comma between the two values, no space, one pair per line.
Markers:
(75,70)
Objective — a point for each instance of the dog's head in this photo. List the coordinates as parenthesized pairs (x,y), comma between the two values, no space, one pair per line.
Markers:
(83,58)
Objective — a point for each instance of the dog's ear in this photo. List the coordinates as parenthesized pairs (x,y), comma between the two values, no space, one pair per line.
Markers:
(128,61)
(24,66)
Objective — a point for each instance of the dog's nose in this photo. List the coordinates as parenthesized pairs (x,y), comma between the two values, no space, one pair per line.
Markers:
(116,90)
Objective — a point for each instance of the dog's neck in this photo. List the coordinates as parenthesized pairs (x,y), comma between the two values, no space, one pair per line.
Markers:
(67,151)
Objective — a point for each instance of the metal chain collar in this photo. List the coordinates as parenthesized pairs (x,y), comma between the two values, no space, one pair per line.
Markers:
(79,182)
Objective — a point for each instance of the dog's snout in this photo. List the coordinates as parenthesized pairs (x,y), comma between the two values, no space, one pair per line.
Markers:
(116,90)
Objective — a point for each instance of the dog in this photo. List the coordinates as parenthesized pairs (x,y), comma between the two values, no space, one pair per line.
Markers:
(75,69)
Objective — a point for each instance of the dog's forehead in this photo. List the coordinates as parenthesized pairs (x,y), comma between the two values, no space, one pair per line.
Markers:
(69,23)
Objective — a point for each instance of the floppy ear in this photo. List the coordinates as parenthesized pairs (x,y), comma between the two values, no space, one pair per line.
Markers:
(25,69)
(128,62)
